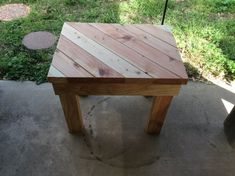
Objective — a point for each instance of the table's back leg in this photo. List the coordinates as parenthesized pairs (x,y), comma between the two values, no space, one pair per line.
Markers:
(158,113)
(72,112)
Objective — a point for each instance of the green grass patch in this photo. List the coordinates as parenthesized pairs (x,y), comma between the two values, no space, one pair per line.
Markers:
(204,30)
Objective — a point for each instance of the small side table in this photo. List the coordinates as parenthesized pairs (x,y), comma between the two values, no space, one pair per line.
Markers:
(113,59)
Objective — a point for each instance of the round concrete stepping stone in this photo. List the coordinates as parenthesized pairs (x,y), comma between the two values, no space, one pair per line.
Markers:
(10,12)
(39,40)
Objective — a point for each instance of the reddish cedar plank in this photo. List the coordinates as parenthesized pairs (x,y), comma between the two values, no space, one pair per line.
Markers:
(174,65)
(86,60)
(163,60)
(130,55)
(101,53)
(68,67)
(158,33)
(152,41)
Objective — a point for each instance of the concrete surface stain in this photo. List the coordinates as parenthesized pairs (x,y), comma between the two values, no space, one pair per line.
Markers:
(88,143)
(91,110)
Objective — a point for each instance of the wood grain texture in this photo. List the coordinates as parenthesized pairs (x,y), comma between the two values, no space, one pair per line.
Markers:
(138,60)
(86,60)
(104,55)
(71,107)
(112,53)
(95,80)
(168,63)
(53,72)
(158,33)
(117,89)
(158,114)
(153,41)
(68,67)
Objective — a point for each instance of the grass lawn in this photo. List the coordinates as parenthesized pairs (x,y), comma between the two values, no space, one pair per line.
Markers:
(204,30)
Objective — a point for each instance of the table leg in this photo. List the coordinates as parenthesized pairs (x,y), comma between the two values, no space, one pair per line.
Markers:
(72,112)
(158,113)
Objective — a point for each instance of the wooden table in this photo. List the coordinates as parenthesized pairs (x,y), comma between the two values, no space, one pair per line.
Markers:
(113,59)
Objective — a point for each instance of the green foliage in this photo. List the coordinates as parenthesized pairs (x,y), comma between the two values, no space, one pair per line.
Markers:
(25,67)
(192,71)
(70,2)
(204,30)
(224,6)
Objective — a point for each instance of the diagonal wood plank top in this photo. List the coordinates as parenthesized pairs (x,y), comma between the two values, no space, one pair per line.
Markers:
(114,53)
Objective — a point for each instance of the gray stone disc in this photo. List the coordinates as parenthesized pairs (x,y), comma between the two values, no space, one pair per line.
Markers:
(10,12)
(39,40)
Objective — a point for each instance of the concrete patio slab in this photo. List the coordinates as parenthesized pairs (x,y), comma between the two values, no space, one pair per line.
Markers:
(34,138)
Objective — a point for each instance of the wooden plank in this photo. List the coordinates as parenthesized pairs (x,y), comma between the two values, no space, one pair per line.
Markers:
(72,112)
(106,80)
(158,33)
(53,72)
(154,42)
(118,48)
(168,63)
(165,28)
(67,66)
(104,55)
(158,114)
(87,61)
(117,89)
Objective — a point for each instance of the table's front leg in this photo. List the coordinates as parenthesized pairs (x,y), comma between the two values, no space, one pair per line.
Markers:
(158,113)
(71,107)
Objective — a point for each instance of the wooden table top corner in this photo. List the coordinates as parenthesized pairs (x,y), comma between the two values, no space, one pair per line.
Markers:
(114,53)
